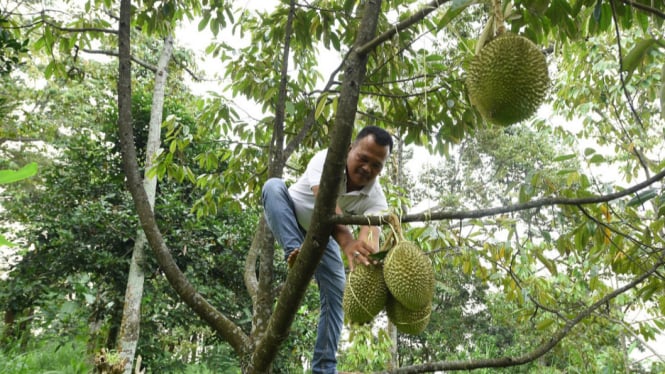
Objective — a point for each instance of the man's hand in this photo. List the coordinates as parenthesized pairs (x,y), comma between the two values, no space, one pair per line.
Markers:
(357,251)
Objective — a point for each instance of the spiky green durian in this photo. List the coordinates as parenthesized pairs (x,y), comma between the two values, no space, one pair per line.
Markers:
(409,275)
(508,79)
(365,294)
(405,320)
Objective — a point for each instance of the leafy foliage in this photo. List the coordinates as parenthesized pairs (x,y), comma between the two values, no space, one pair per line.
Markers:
(80,225)
(11,48)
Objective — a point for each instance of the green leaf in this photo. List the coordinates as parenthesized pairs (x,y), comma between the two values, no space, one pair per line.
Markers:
(642,197)
(597,10)
(455,9)
(661,211)
(636,56)
(5,242)
(204,21)
(542,325)
(564,157)
(290,108)
(524,196)
(549,264)
(321,105)
(379,256)
(10,176)
(597,159)
(466,267)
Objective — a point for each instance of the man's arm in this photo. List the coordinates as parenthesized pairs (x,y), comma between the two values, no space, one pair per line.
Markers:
(356,250)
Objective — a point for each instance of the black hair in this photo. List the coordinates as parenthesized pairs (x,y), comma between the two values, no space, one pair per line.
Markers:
(381,136)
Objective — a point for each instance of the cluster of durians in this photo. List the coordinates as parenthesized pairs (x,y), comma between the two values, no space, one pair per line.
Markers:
(403,284)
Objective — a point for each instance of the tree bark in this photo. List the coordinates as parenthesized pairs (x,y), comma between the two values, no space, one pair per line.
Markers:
(228,330)
(260,284)
(320,228)
(9,320)
(131,317)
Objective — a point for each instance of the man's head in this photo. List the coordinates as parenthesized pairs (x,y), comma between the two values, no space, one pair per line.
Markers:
(367,155)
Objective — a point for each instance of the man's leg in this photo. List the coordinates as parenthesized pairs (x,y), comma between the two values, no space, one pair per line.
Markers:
(281,215)
(331,279)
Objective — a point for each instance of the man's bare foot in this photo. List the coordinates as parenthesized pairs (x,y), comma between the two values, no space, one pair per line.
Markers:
(292,257)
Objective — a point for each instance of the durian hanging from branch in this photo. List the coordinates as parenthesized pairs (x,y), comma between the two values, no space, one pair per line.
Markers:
(508,78)
(403,283)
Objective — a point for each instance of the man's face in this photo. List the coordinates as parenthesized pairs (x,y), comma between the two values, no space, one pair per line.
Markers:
(364,162)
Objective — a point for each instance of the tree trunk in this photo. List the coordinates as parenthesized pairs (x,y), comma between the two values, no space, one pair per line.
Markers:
(219,322)
(24,328)
(320,228)
(131,318)
(14,332)
(8,333)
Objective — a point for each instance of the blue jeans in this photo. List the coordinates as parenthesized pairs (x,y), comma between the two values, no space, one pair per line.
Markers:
(281,218)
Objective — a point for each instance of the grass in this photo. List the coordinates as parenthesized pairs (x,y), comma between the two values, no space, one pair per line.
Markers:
(53,357)
(47,358)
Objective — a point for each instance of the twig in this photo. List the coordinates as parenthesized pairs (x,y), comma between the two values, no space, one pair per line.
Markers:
(115,54)
(416,17)
(629,98)
(644,7)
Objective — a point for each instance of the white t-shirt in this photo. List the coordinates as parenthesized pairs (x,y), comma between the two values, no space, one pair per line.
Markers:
(370,200)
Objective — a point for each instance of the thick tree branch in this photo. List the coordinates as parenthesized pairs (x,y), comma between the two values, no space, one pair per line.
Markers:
(443,215)
(249,275)
(320,229)
(539,351)
(277,159)
(220,323)
(263,249)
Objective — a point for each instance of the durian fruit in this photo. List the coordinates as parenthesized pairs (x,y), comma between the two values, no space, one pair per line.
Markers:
(365,294)
(508,79)
(409,275)
(406,320)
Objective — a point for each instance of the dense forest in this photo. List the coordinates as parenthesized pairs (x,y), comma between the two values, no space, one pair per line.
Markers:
(132,236)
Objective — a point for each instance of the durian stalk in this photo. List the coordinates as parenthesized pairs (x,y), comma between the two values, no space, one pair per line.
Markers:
(486,35)
(498,18)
